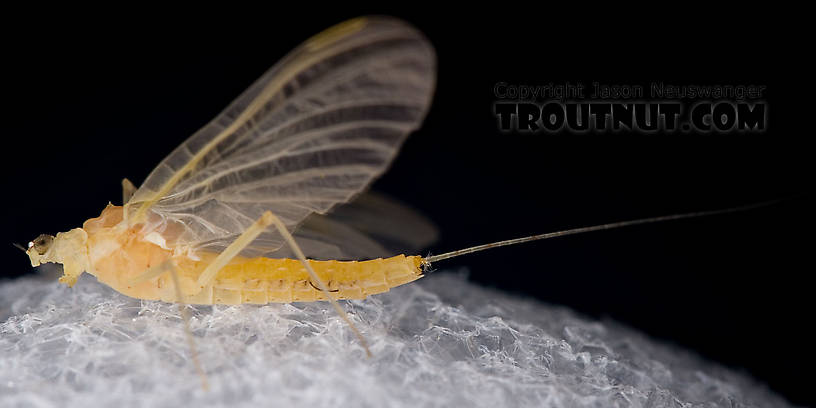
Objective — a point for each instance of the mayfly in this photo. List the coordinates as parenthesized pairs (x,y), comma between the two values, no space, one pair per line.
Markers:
(242,210)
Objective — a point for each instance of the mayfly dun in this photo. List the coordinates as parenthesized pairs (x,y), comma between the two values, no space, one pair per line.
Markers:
(265,203)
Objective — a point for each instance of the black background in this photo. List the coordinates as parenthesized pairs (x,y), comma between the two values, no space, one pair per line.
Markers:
(90,99)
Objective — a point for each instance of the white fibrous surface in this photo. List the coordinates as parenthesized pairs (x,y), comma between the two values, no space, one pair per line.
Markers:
(441,341)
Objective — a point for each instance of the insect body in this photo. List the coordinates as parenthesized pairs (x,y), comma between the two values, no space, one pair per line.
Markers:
(116,256)
(240,211)
(214,220)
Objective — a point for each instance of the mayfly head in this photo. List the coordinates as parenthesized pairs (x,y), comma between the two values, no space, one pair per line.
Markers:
(38,248)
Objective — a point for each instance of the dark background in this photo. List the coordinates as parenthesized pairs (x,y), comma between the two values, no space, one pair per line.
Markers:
(89,100)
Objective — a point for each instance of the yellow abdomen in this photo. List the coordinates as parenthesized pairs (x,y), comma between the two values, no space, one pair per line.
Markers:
(265,280)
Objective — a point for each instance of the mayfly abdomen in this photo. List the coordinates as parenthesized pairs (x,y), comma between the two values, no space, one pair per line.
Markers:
(267,280)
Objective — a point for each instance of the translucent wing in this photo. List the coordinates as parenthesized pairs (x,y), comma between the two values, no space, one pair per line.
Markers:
(371,226)
(312,132)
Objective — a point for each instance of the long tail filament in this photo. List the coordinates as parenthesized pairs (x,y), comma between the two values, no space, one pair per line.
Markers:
(582,230)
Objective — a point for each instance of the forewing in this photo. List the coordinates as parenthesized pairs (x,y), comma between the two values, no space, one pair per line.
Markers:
(312,132)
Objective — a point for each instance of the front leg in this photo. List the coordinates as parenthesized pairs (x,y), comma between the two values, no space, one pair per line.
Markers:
(128,189)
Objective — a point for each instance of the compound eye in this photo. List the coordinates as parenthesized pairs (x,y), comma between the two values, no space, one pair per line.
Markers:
(41,243)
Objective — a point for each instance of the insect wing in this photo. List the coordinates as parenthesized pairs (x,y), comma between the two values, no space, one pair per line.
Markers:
(311,133)
(371,226)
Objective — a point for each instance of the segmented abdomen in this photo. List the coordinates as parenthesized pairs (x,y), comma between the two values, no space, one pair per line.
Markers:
(265,280)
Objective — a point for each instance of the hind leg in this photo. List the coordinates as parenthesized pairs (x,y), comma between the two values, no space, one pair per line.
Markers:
(247,237)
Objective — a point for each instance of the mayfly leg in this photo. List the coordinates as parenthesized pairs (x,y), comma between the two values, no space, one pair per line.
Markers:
(169,266)
(128,189)
(247,237)
(161,269)
(313,275)
(150,273)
